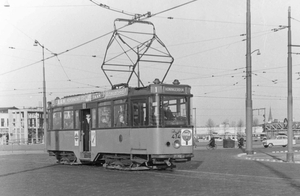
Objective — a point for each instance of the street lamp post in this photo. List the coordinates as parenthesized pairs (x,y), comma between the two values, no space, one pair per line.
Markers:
(249,113)
(36,43)
(290,153)
(195,110)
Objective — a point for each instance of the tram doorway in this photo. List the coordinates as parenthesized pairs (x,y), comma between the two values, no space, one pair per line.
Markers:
(85,127)
(139,113)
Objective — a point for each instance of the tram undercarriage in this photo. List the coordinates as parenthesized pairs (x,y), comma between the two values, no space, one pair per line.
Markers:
(135,162)
(127,162)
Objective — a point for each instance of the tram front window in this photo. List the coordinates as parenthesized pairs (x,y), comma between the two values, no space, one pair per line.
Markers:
(174,111)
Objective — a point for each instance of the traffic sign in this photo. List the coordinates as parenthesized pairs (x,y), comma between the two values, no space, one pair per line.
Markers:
(76,138)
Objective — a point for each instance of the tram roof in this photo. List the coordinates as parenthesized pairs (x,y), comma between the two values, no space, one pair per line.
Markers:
(122,92)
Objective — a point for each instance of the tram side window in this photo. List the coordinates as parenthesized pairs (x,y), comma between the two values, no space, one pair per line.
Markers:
(77,120)
(94,118)
(140,113)
(120,114)
(104,117)
(68,120)
(57,120)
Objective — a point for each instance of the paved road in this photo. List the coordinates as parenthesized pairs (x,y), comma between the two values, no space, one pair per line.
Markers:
(211,172)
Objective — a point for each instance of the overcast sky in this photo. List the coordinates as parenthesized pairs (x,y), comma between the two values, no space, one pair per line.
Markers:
(204,37)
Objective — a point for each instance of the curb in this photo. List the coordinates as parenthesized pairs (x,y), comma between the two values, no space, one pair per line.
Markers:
(22,152)
(283,151)
(267,159)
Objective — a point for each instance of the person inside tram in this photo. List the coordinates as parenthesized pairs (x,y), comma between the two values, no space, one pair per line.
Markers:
(168,115)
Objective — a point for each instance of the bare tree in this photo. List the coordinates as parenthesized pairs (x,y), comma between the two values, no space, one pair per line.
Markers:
(210,124)
(233,124)
(225,124)
(240,125)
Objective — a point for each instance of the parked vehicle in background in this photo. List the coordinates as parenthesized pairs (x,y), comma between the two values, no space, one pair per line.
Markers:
(233,138)
(263,136)
(219,139)
(280,140)
(297,137)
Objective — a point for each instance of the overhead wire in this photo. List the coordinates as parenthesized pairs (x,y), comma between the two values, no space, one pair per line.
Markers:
(85,43)
(173,8)
(80,45)
(18,29)
(213,21)
(94,40)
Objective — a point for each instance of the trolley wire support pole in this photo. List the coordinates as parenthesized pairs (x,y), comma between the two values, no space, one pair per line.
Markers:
(44,95)
(290,153)
(195,109)
(249,112)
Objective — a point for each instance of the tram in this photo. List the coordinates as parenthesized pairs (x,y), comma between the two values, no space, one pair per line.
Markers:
(146,127)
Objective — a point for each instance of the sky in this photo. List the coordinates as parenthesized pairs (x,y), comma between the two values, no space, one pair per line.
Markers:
(206,38)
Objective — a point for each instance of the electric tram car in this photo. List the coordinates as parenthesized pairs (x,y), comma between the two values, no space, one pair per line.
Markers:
(148,127)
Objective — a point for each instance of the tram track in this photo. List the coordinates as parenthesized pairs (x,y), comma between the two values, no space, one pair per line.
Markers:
(216,177)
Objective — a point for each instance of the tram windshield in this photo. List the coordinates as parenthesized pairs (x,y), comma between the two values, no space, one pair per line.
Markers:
(171,111)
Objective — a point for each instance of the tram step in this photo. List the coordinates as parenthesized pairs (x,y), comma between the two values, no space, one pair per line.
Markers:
(85,161)
(85,154)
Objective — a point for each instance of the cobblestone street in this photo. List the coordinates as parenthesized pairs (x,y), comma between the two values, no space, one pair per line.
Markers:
(209,173)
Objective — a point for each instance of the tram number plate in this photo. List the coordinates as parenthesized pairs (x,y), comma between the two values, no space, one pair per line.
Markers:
(176,134)
(178,156)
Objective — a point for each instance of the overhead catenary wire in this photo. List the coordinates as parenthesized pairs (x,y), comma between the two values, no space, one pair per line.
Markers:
(214,21)
(87,42)
(75,47)
(65,52)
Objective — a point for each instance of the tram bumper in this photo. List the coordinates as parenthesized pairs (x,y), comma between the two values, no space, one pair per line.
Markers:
(172,156)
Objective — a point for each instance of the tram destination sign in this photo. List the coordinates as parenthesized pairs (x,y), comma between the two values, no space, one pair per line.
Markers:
(90,97)
(169,89)
(72,100)
(110,94)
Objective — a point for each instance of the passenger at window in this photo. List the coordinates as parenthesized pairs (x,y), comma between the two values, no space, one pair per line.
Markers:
(120,120)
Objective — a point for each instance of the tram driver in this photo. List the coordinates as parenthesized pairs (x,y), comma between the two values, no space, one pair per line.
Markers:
(168,115)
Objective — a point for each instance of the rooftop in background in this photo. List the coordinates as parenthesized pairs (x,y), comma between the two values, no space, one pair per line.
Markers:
(5,109)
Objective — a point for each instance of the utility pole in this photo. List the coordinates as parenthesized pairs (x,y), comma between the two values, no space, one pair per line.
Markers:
(290,153)
(138,64)
(249,112)
(195,110)
(36,43)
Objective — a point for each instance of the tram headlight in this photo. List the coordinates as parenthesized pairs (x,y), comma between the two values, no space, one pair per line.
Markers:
(176,144)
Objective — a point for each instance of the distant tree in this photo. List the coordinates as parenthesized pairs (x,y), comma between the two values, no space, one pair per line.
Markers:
(240,125)
(255,122)
(210,124)
(225,123)
(233,124)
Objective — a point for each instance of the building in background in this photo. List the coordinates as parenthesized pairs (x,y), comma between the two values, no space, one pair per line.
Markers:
(4,124)
(26,126)
(21,126)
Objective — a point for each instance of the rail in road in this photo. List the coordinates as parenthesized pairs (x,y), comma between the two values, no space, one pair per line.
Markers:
(211,172)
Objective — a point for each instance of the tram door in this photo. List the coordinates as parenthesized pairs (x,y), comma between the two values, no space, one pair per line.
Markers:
(139,111)
(85,128)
